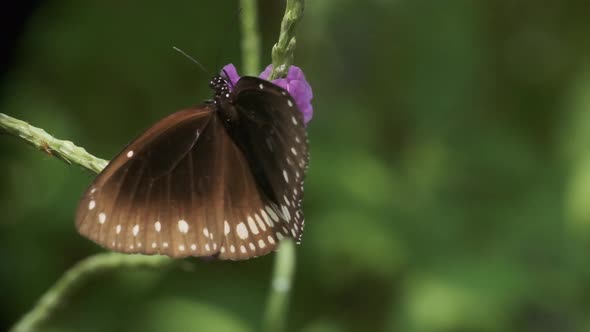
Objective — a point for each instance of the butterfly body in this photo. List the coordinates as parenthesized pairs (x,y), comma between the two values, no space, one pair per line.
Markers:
(222,179)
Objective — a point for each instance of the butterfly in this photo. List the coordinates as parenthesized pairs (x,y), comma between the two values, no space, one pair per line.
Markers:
(222,179)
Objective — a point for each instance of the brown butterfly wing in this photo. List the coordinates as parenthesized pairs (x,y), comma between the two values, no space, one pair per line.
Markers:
(274,140)
(128,206)
(183,188)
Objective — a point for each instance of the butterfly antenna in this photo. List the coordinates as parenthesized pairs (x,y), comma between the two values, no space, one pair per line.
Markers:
(192,59)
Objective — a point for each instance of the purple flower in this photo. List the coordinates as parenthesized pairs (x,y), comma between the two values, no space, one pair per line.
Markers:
(294,83)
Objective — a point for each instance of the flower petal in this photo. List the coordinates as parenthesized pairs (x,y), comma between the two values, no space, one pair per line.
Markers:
(230,73)
(295,73)
(266,72)
(298,87)
(301,92)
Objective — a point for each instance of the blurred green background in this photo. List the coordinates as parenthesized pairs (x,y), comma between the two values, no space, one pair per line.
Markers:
(450,171)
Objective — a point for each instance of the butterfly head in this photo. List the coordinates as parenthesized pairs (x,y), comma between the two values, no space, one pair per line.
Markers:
(221,88)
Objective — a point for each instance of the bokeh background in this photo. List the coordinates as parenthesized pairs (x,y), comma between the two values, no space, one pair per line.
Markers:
(449,185)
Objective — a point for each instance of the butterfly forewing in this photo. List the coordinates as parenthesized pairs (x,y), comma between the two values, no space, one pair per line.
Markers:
(273,138)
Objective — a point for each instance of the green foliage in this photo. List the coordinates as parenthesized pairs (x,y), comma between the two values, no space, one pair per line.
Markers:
(188,315)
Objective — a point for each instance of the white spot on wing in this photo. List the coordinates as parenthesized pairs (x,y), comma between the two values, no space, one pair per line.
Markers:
(226,228)
(261,244)
(193,247)
(266,218)
(205,232)
(242,231)
(243,249)
(293,151)
(91,204)
(118,229)
(158,226)
(135,230)
(289,102)
(252,225)
(181,247)
(102,217)
(130,154)
(286,213)
(183,226)
(272,213)
(286,176)
(261,86)
(260,222)
(294,120)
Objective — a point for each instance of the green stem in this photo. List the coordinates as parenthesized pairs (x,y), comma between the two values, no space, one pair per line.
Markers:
(284,269)
(278,298)
(75,277)
(250,38)
(283,51)
(40,139)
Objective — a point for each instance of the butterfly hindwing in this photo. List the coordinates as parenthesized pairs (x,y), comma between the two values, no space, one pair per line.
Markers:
(249,230)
